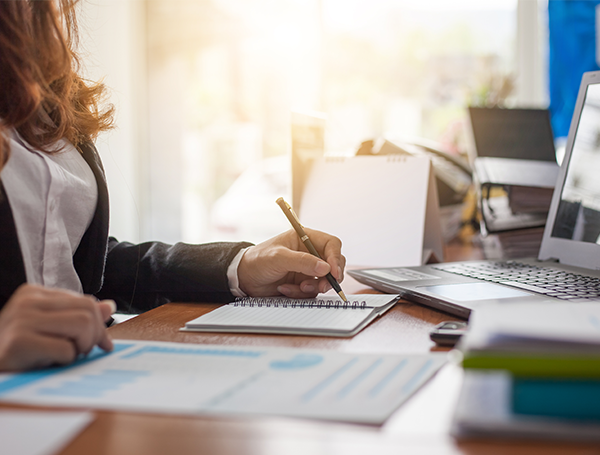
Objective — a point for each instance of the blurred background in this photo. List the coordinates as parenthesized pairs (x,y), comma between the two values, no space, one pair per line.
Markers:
(204,91)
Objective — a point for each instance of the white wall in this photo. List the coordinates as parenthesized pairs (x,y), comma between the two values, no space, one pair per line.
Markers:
(112,47)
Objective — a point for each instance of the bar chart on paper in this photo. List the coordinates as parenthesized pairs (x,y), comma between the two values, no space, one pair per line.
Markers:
(183,378)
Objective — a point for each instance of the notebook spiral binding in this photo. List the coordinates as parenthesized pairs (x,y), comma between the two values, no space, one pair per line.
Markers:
(271,302)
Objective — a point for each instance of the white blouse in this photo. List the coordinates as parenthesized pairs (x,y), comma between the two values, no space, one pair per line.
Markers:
(53,199)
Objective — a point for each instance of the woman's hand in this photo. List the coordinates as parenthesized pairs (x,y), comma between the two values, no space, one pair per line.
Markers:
(282,265)
(41,327)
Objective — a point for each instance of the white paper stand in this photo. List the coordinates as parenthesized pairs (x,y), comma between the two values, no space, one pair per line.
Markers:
(384,208)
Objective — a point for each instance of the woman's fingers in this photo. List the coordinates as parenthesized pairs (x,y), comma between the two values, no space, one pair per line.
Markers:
(283,265)
(301,291)
(47,299)
(330,248)
(287,261)
(107,308)
(45,351)
(40,326)
(79,326)
(87,316)
(23,350)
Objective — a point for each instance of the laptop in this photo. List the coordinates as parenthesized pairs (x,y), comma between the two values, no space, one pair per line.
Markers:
(568,264)
(511,133)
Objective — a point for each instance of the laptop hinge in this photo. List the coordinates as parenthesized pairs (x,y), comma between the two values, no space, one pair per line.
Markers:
(549,260)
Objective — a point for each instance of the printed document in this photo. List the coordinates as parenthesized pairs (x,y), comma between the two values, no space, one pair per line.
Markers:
(210,379)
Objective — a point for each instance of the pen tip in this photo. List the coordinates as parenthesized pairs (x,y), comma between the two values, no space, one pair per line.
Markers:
(343,296)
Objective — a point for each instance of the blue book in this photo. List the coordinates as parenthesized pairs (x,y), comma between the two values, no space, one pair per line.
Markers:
(565,398)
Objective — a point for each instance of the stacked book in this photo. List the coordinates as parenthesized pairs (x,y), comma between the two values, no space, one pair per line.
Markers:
(531,370)
(530,199)
(515,244)
(528,186)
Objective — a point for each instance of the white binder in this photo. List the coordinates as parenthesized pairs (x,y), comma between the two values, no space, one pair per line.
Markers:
(384,208)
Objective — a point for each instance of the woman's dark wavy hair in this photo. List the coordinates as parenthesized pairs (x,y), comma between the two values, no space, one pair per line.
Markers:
(41,95)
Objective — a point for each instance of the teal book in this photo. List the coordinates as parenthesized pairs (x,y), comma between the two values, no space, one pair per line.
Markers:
(577,399)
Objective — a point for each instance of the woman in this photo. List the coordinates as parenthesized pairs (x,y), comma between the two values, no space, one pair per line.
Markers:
(56,258)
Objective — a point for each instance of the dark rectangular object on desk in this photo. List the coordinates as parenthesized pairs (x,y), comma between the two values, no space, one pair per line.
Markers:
(512,133)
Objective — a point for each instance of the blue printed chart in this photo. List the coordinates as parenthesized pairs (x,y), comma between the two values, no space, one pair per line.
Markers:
(191,379)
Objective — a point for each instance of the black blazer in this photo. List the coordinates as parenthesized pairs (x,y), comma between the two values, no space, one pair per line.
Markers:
(137,277)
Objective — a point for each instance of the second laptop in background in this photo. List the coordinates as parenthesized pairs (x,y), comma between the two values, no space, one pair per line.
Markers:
(524,134)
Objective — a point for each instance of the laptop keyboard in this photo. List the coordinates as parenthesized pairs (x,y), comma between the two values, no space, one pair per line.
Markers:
(541,280)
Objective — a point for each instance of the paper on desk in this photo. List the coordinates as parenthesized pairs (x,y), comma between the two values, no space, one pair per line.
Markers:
(549,321)
(39,433)
(184,378)
(389,206)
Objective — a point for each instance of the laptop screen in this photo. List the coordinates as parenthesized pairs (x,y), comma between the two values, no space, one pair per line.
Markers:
(578,214)
(512,133)
(572,234)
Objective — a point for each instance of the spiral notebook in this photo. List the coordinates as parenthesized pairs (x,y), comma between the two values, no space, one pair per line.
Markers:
(323,316)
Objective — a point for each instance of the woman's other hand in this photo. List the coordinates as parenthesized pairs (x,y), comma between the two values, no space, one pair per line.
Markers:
(282,265)
(41,327)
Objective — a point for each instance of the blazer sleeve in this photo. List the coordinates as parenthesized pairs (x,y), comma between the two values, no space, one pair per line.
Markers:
(142,277)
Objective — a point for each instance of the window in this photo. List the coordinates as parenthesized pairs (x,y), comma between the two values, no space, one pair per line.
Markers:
(222,77)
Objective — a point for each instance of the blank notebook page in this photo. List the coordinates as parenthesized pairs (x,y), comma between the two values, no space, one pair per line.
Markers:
(297,318)
(322,314)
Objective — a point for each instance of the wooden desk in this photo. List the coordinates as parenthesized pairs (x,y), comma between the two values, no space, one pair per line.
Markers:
(420,426)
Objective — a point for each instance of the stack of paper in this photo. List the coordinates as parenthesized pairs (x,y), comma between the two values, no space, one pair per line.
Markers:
(538,365)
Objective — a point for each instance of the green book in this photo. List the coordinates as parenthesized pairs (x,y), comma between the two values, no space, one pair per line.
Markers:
(536,365)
